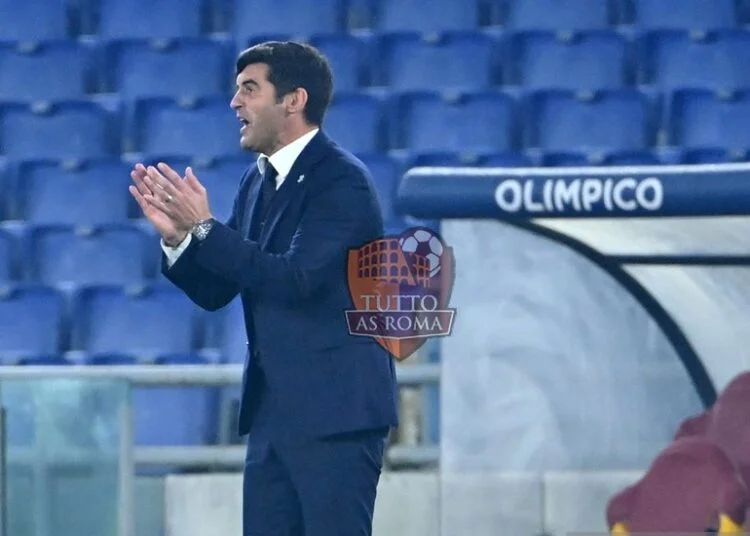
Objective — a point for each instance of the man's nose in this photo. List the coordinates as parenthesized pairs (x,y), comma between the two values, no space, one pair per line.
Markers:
(234,103)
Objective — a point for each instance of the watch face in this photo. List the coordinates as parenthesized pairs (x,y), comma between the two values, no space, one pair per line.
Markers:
(201,230)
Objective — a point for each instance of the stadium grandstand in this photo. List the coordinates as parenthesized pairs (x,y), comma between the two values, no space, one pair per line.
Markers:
(600,336)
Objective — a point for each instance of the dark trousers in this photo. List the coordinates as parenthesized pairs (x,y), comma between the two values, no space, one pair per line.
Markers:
(319,487)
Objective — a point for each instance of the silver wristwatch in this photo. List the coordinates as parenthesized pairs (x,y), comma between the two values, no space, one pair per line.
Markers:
(200,230)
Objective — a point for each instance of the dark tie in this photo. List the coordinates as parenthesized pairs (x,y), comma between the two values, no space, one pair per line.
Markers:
(268,189)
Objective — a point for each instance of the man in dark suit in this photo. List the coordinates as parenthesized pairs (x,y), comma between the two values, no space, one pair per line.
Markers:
(317,402)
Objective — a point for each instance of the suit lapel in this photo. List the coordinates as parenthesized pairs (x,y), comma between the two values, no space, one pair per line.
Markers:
(294,183)
(278,206)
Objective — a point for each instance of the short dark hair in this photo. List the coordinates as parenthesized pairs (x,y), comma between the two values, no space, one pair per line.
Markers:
(293,65)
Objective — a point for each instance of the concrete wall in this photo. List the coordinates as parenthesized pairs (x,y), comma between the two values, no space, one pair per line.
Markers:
(423,503)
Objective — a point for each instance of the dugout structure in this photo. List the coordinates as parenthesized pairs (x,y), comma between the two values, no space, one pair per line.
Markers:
(597,307)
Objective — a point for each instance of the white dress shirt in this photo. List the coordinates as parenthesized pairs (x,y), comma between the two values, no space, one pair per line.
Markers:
(282,160)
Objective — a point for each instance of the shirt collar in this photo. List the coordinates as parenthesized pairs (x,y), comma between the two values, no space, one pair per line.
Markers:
(283,159)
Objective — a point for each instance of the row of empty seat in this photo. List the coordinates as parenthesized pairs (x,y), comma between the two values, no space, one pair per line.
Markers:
(109,253)
(483,122)
(94,191)
(250,18)
(400,62)
(83,323)
(90,192)
(44,197)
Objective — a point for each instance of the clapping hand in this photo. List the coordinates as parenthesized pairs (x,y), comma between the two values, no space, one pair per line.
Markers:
(172,204)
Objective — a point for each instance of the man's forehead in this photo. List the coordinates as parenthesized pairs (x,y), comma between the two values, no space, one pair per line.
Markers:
(254,71)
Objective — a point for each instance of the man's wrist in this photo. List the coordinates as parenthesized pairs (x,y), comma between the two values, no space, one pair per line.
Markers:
(174,240)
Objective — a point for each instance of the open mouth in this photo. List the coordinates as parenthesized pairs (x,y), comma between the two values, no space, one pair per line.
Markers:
(245,123)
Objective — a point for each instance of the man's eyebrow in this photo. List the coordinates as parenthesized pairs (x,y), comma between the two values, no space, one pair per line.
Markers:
(250,82)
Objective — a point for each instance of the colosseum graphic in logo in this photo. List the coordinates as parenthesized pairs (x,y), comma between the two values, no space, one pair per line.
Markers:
(401,286)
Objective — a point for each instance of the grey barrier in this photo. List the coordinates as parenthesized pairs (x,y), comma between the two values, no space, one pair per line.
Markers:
(225,456)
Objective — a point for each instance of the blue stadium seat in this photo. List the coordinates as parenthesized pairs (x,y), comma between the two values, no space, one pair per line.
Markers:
(426,15)
(604,121)
(711,155)
(153,248)
(349,59)
(45,71)
(31,322)
(591,60)
(145,321)
(65,129)
(481,122)
(169,416)
(508,159)
(226,335)
(442,159)
(105,254)
(225,332)
(53,360)
(168,68)
(6,200)
(354,120)
(688,15)
(73,192)
(123,19)
(447,61)
(386,172)
(33,21)
(178,163)
(8,258)
(676,59)
(300,18)
(565,159)
(202,127)
(703,119)
(174,415)
(632,158)
(563,15)
(221,177)
(616,158)
(18,229)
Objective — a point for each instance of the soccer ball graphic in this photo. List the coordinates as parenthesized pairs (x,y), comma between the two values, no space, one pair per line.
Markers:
(423,242)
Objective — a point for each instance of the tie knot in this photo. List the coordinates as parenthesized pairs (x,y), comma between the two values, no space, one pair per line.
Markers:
(269,177)
(270,171)
(269,180)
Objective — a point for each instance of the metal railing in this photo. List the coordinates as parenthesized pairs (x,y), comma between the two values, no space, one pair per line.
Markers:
(213,375)
(204,456)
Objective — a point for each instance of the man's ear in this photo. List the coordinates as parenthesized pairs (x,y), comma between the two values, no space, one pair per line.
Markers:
(296,101)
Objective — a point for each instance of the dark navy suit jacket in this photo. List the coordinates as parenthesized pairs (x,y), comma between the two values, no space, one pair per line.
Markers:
(317,378)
